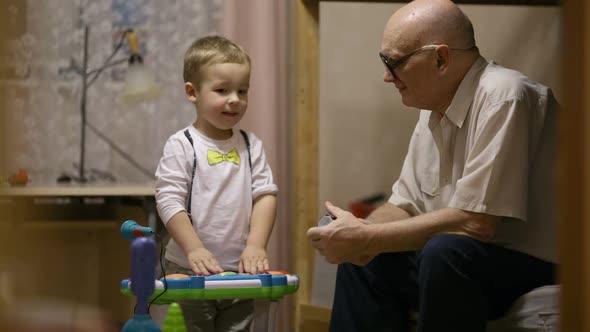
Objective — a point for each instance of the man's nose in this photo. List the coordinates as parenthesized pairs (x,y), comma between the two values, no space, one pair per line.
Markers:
(387,77)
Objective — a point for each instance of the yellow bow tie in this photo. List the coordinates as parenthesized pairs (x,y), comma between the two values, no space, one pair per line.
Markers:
(215,157)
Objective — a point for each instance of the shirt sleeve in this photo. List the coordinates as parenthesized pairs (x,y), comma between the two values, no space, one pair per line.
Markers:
(405,191)
(262,177)
(173,177)
(495,177)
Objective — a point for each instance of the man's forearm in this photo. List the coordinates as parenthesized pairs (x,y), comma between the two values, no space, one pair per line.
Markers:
(386,213)
(413,233)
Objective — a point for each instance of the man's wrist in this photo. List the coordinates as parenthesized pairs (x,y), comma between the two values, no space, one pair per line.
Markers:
(376,237)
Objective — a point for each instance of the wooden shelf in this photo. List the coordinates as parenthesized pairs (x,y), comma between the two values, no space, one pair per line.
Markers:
(90,225)
(88,190)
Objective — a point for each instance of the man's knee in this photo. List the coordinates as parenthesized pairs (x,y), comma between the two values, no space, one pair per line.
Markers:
(385,270)
(445,253)
(347,269)
(348,274)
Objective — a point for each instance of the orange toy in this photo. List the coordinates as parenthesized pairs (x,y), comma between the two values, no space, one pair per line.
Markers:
(19,179)
(177,276)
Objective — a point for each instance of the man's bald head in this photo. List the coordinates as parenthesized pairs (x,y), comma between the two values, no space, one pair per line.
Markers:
(422,22)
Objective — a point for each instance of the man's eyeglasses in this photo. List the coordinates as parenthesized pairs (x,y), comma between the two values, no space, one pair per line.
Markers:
(392,64)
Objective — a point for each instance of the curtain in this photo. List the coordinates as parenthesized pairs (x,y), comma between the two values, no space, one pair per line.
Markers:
(262,28)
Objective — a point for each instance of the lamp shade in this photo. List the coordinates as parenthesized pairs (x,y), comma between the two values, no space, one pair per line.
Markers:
(140,84)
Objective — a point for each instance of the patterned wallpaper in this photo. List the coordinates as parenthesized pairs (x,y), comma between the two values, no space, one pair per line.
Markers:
(41,92)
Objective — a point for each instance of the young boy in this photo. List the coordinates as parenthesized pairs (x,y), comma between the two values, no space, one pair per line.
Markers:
(215,190)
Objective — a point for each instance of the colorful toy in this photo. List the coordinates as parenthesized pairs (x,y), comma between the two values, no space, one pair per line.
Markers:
(143,272)
(227,285)
(271,286)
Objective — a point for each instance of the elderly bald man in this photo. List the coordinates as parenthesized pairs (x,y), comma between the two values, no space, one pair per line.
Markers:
(470,223)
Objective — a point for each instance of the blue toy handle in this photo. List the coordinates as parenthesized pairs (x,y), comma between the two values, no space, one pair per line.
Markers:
(143,273)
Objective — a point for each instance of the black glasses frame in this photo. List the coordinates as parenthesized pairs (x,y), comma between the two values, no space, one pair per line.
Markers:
(392,64)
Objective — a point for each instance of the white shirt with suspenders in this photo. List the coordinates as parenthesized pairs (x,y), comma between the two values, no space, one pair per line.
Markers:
(215,182)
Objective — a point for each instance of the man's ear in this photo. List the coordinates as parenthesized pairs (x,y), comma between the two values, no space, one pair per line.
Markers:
(442,57)
(191,92)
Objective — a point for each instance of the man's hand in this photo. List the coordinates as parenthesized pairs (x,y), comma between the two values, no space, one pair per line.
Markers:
(344,240)
(203,262)
(254,260)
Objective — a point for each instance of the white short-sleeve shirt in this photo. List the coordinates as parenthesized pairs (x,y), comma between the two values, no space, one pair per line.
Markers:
(493,152)
(222,191)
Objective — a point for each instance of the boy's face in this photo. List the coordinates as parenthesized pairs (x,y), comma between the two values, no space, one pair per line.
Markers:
(221,99)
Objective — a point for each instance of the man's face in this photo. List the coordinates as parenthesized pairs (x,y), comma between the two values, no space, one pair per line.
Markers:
(412,69)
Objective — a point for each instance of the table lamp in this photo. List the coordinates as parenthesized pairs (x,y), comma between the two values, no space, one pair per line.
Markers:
(139,82)
(139,86)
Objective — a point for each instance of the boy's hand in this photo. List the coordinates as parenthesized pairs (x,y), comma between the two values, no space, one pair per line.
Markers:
(203,262)
(253,260)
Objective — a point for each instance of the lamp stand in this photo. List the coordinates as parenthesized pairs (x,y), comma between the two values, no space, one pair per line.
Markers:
(84,74)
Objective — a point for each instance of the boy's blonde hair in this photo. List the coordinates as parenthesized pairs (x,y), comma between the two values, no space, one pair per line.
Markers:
(209,51)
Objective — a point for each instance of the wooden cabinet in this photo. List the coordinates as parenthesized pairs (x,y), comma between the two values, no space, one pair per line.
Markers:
(63,243)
